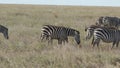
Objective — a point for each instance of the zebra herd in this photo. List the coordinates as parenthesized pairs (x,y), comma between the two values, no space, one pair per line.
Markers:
(106,29)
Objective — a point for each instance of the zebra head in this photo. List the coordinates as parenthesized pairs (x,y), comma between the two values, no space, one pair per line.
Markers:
(4,30)
(77,37)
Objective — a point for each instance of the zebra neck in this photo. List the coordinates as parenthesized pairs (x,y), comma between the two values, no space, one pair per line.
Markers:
(70,32)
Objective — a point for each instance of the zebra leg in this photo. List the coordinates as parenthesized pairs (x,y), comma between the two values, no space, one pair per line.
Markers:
(96,41)
(59,41)
(117,44)
(93,44)
(50,41)
(66,40)
(92,41)
(44,38)
(41,37)
(113,44)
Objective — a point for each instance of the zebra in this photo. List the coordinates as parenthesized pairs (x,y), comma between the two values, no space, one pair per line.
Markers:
(106,34)
(60,33)
(108,21)
(4,31)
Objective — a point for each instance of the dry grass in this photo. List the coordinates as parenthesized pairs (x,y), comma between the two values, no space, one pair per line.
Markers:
(24,49)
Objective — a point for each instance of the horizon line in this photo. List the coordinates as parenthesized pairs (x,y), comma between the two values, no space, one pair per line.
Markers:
(59,4)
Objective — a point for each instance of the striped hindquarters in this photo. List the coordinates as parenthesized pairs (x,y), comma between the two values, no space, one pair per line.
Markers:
(54,32)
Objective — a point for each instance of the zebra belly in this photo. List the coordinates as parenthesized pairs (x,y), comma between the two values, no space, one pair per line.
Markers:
(58,37)
(108,40)
(55,37)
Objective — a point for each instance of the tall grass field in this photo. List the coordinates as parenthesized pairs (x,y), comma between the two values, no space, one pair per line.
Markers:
(24,49)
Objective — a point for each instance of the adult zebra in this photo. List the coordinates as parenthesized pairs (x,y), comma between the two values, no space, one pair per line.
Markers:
(50,32)
(103,33)
(108,21)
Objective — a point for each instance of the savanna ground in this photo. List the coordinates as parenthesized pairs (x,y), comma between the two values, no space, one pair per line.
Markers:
(24,49)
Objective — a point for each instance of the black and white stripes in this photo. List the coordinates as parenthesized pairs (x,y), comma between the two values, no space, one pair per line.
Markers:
(106,29)
(108,21)
(50,32)
(106,34)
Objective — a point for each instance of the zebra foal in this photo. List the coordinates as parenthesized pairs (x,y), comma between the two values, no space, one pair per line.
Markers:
(60,33)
